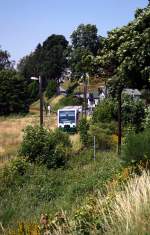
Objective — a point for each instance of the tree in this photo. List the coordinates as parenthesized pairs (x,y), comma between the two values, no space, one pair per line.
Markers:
(51,89)
(13,93)
(126,55)
(53,58)
(48,59)
(85,36)
(4,59)
(85,45)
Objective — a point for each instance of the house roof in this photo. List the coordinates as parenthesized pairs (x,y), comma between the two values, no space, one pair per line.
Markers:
(133,92)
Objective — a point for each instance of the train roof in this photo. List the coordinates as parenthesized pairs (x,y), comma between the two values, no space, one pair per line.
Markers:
(79,108)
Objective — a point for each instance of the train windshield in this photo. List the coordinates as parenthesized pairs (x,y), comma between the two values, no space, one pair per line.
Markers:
(67,116)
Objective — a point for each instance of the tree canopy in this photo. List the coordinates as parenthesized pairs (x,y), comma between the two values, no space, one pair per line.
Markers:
(85,45)
(126,52)
(13,93)
(48,59)
(4,59)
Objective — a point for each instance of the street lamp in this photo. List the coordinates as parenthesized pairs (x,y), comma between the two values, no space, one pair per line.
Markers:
(41,98)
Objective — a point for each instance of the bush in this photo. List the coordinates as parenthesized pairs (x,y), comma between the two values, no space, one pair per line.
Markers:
(41,146)
(106,111)
(51,89)
(137,147)
(146,121)
(103,138)
(83,130)
(132,112)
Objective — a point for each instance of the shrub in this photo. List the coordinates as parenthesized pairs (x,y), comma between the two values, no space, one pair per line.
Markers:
(105,111)
(132,112)
(51,89)
(146,121)
(137,147)
(83,130)
(40,145)
(103,138)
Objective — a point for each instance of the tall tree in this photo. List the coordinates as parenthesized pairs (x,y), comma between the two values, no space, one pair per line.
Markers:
(85,36)
(126,58)
(48,59)
(85,45)
(126,53)
(14,96)
(4,59)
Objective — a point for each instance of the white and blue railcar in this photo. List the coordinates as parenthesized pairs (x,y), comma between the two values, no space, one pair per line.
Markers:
(67,117)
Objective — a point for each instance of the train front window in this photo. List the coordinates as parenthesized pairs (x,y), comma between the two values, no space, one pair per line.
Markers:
(66,116)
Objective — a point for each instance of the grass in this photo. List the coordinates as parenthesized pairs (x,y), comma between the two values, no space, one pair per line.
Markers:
(130,211)
(11,134)
(25,197)
(123,211)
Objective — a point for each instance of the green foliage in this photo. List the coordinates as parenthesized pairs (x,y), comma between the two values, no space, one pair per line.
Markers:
(33,90)
(126,53)
(68,101)
(14,97)
(105,111)
(146,121)
(83,130)
(85,36)
(133,112)
(103,137)
(51,89)
(137,147)
(146,95)
(48,60)
(5,63)
(25,197)
(71,88)
(85,44)
(41,146)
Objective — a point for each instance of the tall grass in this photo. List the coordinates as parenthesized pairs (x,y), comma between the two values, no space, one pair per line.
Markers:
(130,212)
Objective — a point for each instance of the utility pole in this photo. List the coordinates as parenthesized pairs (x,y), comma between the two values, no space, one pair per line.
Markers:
(41,101)
(119,123)
(85,96)
(94,149)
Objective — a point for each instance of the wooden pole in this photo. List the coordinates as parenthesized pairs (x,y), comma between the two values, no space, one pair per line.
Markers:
(41,101)
(119,123)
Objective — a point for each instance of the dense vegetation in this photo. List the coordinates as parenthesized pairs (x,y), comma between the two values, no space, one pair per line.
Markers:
(14,96)
(27,190)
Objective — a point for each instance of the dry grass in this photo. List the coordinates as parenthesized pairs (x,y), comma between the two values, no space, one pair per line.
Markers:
(11,132)
(76,143)
(130,213)
(55,100)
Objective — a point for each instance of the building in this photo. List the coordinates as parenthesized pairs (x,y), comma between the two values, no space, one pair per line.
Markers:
(134,93)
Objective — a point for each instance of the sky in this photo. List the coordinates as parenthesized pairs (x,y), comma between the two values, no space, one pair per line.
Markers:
(25,23)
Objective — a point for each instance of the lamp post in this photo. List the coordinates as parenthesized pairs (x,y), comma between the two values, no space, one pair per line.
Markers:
(41,98)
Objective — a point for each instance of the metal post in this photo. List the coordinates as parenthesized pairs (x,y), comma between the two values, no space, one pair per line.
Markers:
(41,101)
(94,149)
